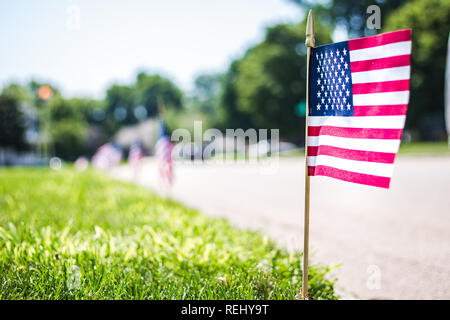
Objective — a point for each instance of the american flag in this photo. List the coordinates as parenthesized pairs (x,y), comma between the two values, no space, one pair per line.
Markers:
(163,152)
(107,156)
(136,154)
(359,93)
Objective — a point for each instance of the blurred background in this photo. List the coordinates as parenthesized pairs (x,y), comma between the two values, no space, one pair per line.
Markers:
(76,74)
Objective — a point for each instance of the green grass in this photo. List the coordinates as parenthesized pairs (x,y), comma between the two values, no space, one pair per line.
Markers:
(425,148)
(70,235)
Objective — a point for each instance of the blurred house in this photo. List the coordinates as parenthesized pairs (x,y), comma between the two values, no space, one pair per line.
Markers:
(146,132)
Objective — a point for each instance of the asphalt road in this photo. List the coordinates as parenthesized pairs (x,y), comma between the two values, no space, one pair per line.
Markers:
(390,244)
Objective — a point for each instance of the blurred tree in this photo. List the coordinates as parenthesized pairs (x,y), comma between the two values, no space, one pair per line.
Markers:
(66,109)
(349,14)
(207,92)
(12,123)
(33,87)
(229,115)
(69,139)
(430,22)
(269,81)
(151,90)
(70,121)
(120,103)
(18,92)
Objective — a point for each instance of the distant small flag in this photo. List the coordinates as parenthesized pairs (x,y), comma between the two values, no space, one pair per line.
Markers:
(107,156)
(134,158)
(163,152)
(359,97)
(136,153)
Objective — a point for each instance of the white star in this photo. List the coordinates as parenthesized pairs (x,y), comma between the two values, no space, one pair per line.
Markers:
(346,65)
(337,87)
(331,53)
(332,67)
(342,107)
(343,86)
(344,99)
(345,52)
(318,81)
(326,93)
(321,75)
(340,93)
(347,93)
(342,72)
(318,93)
(317,57)
(339,79)
(326,54)
(334,80)
(339,66)
(335,73)
(348,106)
(346,78)
(342,59)
(323,100)
(329,60)
(337,52)
(322,87)
(329,100)
(334,100)
(327,68)
(326,107)
(334,60)
(318,69)
(318,106)
(321,55)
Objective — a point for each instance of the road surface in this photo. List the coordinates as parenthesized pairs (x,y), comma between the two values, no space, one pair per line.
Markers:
(390,244)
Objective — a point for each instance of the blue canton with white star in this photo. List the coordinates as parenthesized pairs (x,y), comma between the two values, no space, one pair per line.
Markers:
(331,81)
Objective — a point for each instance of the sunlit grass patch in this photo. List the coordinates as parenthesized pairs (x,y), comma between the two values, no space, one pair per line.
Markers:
(70,235)
(425,148)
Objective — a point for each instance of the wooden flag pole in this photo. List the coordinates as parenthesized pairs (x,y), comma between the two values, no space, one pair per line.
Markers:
(309,42)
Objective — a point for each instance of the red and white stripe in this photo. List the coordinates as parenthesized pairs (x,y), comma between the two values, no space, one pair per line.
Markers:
(362,148)
(164,149)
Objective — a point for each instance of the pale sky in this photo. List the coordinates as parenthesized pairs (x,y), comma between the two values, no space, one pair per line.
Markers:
(115,39)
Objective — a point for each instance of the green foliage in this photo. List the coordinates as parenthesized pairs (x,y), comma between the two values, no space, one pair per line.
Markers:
(207,93)
(70,235)
(149,91)
(349,14)
(155,91)
(425,148)
(430,23)
(69,139)
(12,123)
(269,81)
(18,92)
(68,121)
(120,101)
